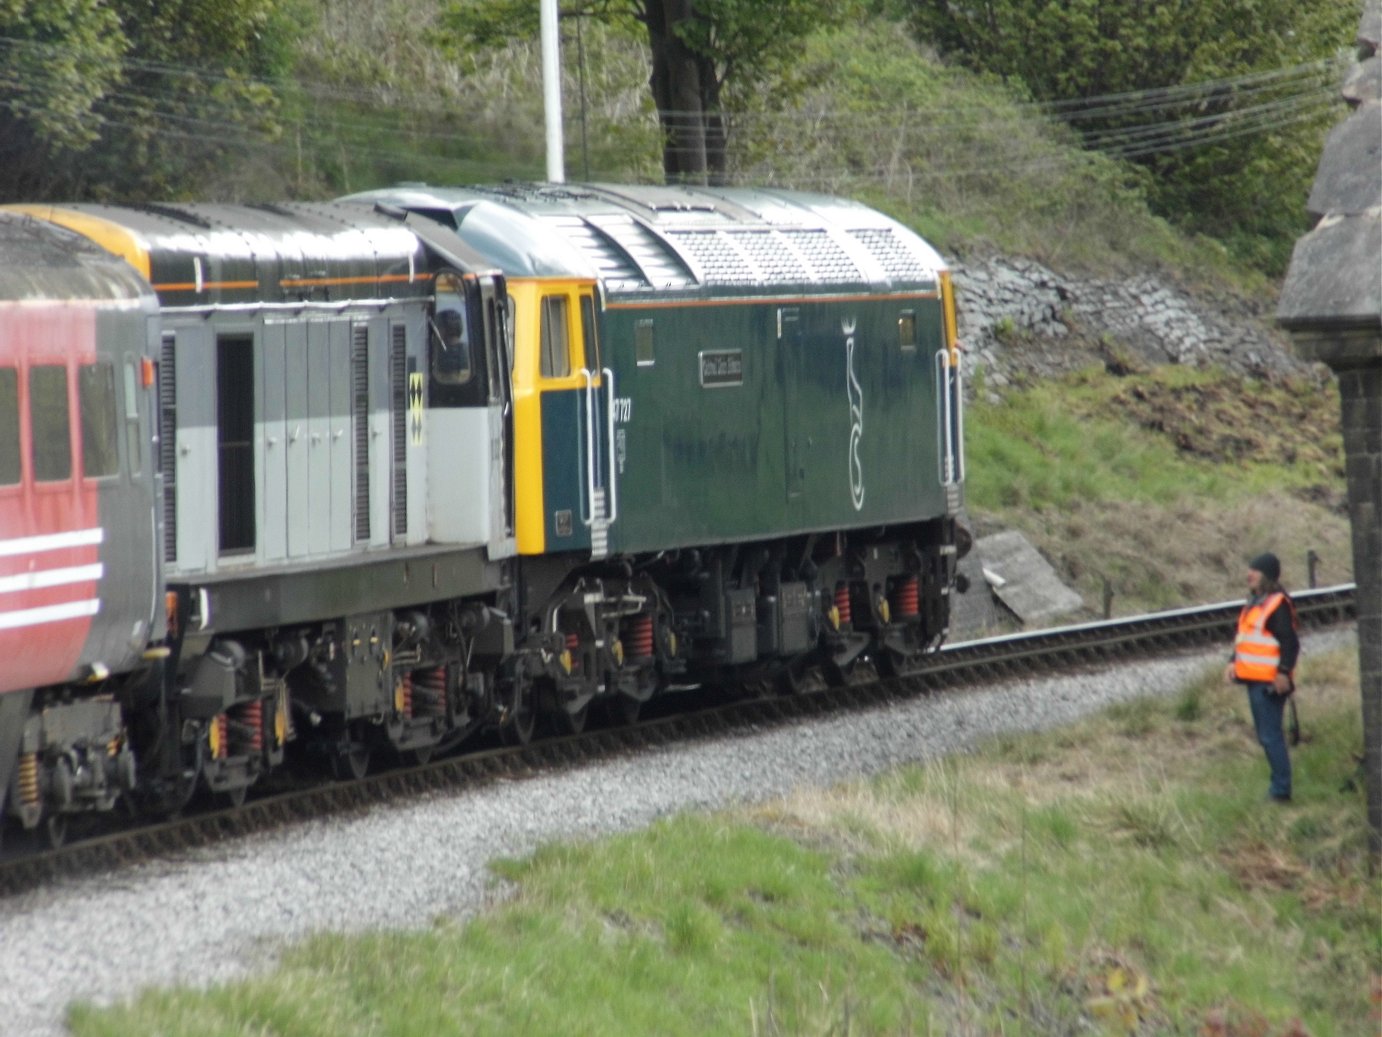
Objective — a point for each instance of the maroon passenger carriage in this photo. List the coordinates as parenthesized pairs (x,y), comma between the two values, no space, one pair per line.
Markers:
(79,593)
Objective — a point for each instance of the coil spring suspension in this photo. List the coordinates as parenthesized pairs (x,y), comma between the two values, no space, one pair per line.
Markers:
(220,739)
(403,694)
(842,604)
(429,691)
(906,597)
(249,727)
(638,635)
(28,779)
(573,645)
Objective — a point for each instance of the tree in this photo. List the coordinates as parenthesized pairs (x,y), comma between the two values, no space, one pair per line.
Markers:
(133,98)
(705,54)
(1224,104)
(58,59)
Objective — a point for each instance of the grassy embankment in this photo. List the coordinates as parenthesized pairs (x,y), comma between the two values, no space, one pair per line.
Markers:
(1123,874)
(1164,482)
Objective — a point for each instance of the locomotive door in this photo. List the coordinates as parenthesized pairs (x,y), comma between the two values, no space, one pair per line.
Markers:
(580,499)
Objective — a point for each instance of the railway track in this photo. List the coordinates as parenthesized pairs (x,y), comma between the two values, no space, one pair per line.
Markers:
(970,663)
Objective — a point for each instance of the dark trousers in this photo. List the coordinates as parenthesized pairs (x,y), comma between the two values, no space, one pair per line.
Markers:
(1267,709)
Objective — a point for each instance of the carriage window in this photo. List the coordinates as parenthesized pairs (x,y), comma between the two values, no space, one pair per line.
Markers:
(907,330)
(451,338)
(9,426)
(49,415)
(556,357)
(96,397)
(643,343)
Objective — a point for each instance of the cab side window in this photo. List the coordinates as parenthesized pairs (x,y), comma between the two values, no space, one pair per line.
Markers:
(592,343)
(452,342)
(556,352)
(9,426)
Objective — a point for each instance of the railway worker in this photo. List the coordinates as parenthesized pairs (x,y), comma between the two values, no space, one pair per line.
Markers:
(1264,658)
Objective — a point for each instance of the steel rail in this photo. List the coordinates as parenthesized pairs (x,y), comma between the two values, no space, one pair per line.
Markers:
(974,663)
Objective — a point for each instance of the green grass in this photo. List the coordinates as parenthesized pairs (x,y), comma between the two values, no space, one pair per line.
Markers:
(1066,442)
(1118,874)
(1095,469)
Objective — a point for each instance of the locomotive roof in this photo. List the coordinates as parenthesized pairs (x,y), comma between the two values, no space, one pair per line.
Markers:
(41,261)
(202,254)
(638,239)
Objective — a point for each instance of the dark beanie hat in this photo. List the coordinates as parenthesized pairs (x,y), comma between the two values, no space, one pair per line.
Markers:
(1268,565)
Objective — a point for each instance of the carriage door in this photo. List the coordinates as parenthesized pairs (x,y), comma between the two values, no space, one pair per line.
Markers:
(579,495)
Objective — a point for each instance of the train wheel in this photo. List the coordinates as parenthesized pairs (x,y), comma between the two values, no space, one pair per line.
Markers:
(236,796)
(800,678)
(625,709)
(572,723)
(523,717)
(898,665)
(55,830)
(351,765)
(419,757)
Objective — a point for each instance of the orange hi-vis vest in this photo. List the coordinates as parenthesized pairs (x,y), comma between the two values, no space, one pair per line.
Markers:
(1256,653)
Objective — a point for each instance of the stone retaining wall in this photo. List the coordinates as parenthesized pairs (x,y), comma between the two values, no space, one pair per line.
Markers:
(1019,316)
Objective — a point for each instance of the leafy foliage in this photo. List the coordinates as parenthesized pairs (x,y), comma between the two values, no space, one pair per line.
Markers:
(58,60)
(135,98)
(1234,159)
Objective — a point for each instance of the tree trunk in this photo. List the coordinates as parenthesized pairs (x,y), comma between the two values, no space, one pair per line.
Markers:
(716,132)
(678,92)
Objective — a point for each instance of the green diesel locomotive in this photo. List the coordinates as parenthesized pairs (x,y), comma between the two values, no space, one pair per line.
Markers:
(737,427)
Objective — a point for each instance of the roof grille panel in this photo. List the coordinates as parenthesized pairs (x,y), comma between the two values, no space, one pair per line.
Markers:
(775,261)
(899,262)
(714,252)
(829,262)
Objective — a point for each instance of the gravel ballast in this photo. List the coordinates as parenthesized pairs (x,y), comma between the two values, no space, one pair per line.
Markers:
(217,914)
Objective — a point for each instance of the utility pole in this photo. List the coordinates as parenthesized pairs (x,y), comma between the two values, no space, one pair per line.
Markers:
(551,91)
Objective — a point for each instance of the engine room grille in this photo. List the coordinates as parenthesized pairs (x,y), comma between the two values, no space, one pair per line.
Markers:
(776,262)
(167,443)
(398,384)
(898,261)
(720,262)
(359,413)
(829,262)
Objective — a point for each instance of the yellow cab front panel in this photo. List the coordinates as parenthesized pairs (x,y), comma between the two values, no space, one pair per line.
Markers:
(560,432)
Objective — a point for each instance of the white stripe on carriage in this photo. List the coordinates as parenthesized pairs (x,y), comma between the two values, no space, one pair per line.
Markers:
(49,614)
(52,542)
(51,578)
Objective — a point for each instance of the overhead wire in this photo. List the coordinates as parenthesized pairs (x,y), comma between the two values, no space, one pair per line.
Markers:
(1307,85)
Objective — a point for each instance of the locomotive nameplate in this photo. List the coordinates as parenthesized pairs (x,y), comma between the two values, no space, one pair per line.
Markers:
(721,368)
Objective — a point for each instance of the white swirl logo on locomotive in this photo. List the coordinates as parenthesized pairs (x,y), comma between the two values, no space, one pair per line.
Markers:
(855,393)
